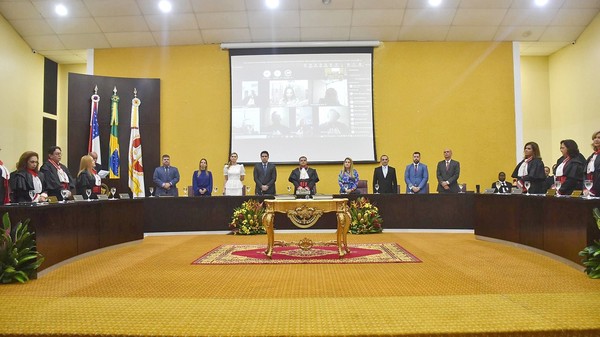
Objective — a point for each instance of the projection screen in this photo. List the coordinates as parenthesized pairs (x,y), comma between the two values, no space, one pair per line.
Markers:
(316,102)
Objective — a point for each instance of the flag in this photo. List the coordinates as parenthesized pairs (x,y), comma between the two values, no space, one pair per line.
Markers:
(94,140)
(136,167)
(113,160)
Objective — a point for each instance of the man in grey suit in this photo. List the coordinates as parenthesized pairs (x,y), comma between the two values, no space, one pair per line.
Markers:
(265,175)
(448,171)
(166,178)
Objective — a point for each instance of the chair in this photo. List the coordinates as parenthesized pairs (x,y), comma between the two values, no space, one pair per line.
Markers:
(362,186)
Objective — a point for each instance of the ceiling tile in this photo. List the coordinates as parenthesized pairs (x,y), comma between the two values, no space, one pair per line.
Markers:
(387,33)
(319,5)
(178,6)
(324,34)
(284,18)
(553,34)
(485,4)
(529,17)
(425,4)
(122,24)
(531,4)
(32,27)
(471,33)
(179,37)
(429,33)
(478,17)
(582,4)
(185,21)
(377,17)
(428,17)
(113,8)
(75,8)
(84,41)
(74,25)
(130,39)
(19,9)
(519,33)
(279,34)
(254,5)
(44,42)
(333,18)
(201,6)
(574,17)
(216,20)
(226,35)
(379,4)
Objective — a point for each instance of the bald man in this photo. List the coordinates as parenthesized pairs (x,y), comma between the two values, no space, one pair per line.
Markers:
(448,171)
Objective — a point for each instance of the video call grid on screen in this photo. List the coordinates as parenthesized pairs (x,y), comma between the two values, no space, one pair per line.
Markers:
(302,102)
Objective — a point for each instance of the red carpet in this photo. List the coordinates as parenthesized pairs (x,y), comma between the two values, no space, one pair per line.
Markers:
(359,253)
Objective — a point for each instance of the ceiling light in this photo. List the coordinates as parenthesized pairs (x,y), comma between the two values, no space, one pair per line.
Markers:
(272,3)
(541,3)
(435,3)
(165,6)
(326,2)
(61,10)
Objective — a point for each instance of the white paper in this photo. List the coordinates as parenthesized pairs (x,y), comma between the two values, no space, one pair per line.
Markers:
(103,174)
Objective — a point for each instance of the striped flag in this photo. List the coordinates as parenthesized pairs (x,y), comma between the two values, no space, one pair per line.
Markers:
(136,167)
(94,140)
(113,160)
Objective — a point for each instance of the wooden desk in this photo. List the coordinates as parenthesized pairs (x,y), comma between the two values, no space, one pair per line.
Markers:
(304,213)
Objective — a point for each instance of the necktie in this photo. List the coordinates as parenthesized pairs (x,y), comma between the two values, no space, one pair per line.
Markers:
(416,168)
(447,164)
(265,168)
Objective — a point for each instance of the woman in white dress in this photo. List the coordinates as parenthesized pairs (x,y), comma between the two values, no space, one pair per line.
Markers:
(234,175)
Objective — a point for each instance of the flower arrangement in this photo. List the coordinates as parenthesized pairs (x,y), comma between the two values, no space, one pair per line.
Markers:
(365,217)
(247,219)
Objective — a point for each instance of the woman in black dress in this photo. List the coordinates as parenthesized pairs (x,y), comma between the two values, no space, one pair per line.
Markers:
(531,169)
(593,166)
(27,184)
(569,168)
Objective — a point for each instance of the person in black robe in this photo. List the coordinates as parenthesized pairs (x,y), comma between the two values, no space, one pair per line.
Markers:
(26,183)
(531,169)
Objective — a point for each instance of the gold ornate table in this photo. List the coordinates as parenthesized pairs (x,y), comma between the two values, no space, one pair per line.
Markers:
(304,213)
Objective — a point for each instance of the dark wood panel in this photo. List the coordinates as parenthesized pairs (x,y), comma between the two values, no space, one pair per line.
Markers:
(561,226)
(64,231)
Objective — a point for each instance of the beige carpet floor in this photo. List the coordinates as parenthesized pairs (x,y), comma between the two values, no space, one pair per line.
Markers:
(464,287)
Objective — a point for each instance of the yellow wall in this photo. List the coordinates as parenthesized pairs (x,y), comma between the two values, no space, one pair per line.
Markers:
(427,96)
(21,97)
(574,90)
(535,89)
(561,98)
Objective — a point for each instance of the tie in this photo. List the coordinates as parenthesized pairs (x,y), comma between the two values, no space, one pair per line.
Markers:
(416,168)
(447,164)
(265,168)
(167,170)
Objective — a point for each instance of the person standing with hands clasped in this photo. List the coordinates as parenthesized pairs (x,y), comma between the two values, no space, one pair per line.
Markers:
(384,177)
(448,171)
(593,166)
(265,175)
(234,175)
(416,176)
(531,169)
(166,178)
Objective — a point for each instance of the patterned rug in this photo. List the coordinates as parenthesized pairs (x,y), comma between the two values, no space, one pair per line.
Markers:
(359,253)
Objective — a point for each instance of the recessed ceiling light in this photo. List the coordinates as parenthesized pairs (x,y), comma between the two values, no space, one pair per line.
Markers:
(435,3)
(61,10)
(272,3)
(165,6)
(541,3)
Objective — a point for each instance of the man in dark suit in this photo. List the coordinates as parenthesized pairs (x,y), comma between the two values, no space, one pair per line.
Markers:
(448,171)
(384,177)
(57,175)
(416,176)
(505,186)
(166,178)
(265,175)
(304,178)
